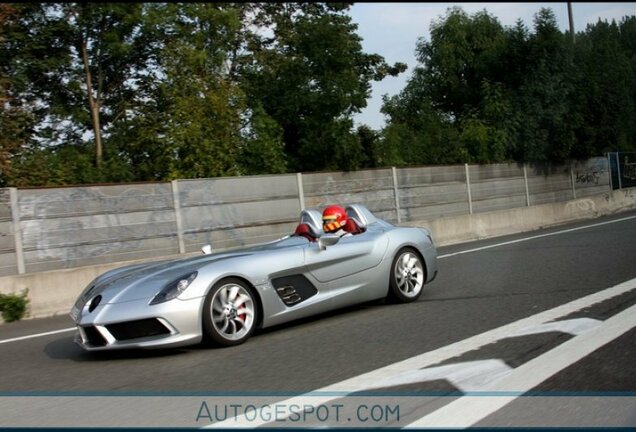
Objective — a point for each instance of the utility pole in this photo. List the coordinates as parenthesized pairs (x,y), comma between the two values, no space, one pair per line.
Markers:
(571,20)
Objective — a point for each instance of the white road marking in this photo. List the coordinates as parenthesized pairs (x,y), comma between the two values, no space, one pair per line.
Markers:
(37,335)
(475,375)
(534,237)
(362,382)
(469,410)
(574,327)
(466,376)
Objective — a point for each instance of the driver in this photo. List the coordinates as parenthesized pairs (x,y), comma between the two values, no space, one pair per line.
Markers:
(334,218)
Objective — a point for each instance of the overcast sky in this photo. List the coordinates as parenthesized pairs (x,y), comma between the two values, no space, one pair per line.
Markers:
(392,30)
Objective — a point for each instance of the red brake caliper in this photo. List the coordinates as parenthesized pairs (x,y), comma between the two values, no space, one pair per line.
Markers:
(243,316)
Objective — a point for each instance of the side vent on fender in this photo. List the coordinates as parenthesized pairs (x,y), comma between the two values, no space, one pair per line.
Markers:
(289,295)
(293,290)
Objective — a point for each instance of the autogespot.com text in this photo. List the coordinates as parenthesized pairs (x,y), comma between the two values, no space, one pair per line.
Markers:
(300,414)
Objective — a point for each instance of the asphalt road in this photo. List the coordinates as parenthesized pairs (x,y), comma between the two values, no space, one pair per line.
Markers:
(481,286)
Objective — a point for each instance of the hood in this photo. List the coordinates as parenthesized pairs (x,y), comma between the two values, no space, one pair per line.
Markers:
(140,281)
(145,280)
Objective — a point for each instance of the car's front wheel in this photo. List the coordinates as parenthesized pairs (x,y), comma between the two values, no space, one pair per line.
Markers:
(229,312)
(407,276)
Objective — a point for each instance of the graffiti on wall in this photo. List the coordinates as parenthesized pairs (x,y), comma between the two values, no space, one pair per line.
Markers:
(68,226)
(592,173)
(629,169)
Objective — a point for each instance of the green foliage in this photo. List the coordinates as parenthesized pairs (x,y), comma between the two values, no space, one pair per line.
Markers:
(332,147)
(310,78)
(263,152)
(72,66)
(66,164)
(15,130)
(187,90)
(13,307)
(181,90)
(544,98)
(484,93)
(463,51)
(368,141)
(606,65)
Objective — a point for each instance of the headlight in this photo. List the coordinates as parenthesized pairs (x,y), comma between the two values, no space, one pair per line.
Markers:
(174,288)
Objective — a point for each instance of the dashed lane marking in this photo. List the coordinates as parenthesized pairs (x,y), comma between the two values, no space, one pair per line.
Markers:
(37,335)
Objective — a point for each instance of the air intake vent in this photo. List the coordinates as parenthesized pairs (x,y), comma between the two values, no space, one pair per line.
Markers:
(293,290)
(137,329)
(289,295)
(94,337)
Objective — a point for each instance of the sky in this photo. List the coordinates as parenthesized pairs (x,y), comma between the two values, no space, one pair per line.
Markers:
(392,30)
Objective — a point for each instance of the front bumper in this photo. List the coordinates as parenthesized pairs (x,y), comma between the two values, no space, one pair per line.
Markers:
(430,260)
(135,324)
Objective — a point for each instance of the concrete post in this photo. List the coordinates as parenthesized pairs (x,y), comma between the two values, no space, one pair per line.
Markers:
(609,171)
(573,182)
(470,198)
(396,194)
(17,230)
(618,170)
(525,180)
(177,215)
(301,191)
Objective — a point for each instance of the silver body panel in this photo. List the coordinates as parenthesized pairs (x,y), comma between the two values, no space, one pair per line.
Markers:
(355,270)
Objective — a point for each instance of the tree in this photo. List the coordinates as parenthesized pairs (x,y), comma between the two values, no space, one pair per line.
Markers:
(416,132)
(311,76)
(606,97)
(195,121)
(483,93)
(463,52)
(263,151)
(73,67)
(164,90)
(451,108)
(544,100)
(16,120)
(368,140)
(103,37)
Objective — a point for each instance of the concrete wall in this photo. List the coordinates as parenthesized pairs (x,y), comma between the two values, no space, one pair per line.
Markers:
(56,228)
(75,227)
(53,292)
(464,228)
(373,188)
(8,261)
(237,211)
(79,226)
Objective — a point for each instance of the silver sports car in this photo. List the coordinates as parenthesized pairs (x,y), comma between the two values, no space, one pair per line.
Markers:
(223,297)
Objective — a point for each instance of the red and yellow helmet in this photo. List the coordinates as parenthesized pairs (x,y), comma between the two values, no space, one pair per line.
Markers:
(334,217)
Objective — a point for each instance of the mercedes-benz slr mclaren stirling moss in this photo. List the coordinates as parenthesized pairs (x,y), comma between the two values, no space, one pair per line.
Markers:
(223,297)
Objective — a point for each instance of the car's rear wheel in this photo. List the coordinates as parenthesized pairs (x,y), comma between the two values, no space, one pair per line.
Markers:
(229,312)
(407,276)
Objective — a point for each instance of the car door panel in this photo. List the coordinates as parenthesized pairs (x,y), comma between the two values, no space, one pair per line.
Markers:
(351,255)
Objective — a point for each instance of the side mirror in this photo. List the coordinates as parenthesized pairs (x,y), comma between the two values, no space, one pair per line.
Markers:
(207,249)
(328,240)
